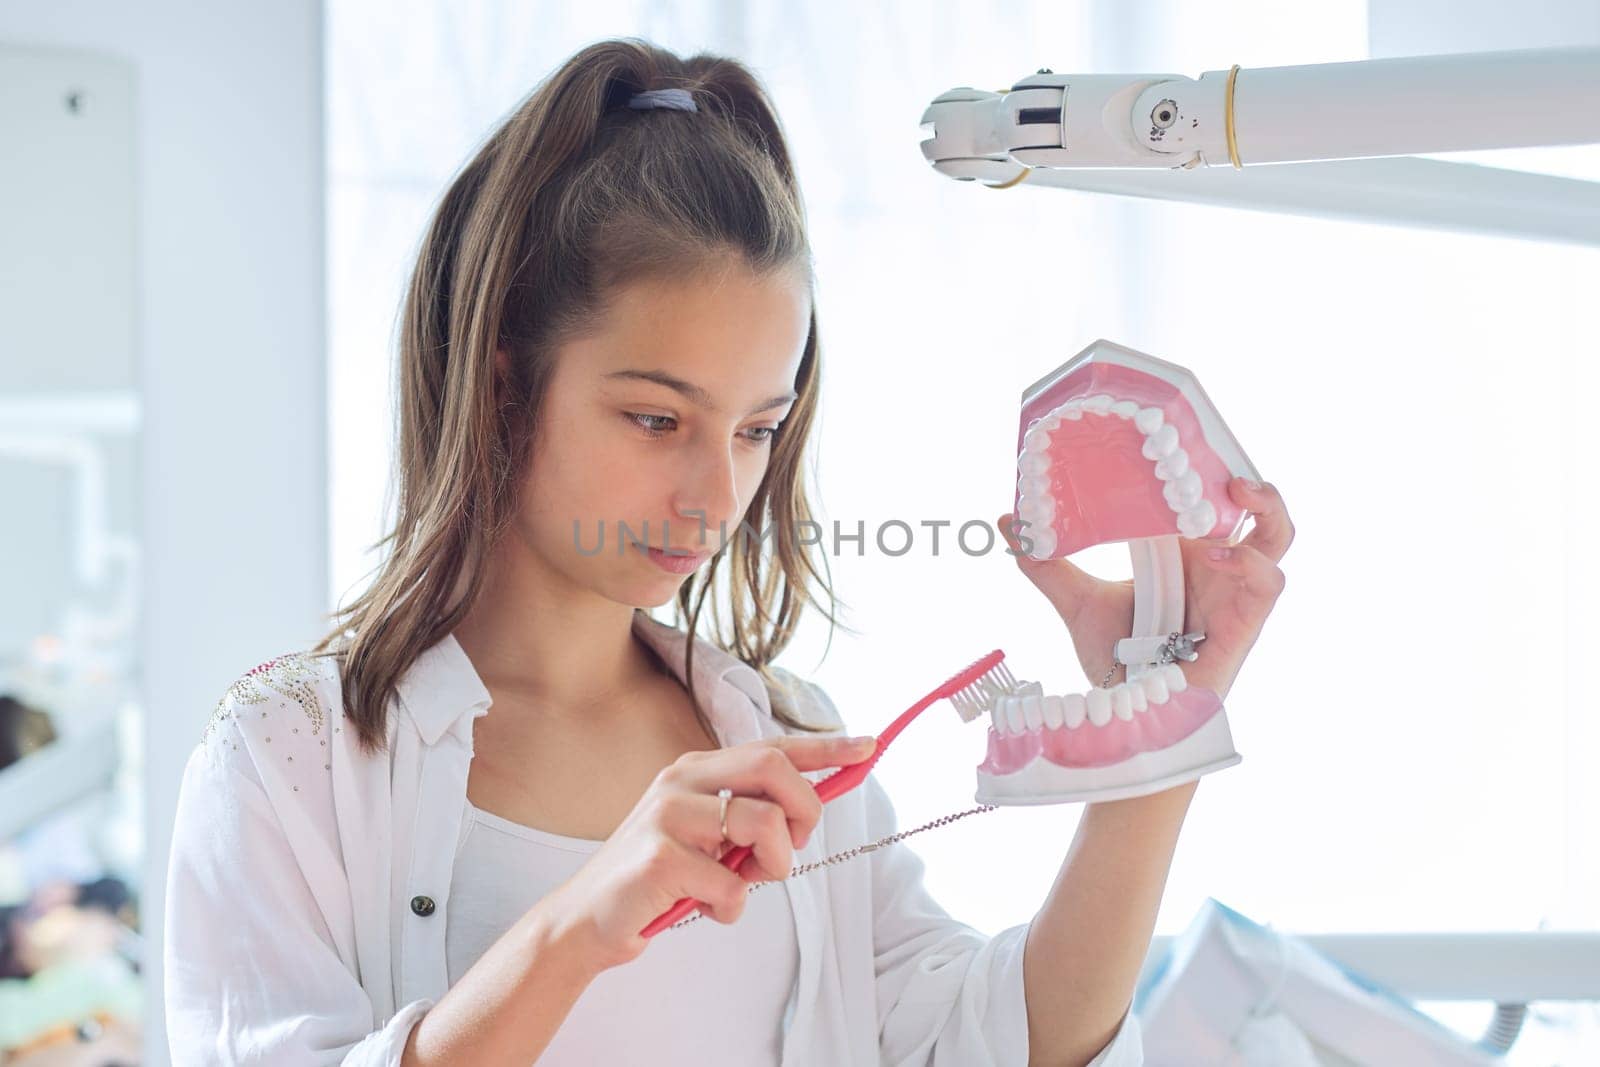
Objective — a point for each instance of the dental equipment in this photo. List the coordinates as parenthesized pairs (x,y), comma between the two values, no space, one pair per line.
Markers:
(1116,445)
(1335,123)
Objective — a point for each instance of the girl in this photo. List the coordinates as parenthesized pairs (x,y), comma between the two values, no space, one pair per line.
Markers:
(435,838)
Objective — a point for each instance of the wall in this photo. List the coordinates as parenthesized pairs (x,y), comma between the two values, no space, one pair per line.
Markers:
(231,360)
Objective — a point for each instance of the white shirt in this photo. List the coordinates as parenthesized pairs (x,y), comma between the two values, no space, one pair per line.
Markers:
(309,885)
(736,976)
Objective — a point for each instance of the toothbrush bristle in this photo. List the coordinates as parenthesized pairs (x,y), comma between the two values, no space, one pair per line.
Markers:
(977,698)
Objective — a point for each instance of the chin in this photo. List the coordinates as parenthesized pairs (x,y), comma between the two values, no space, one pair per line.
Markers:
(654,594)
(658,601)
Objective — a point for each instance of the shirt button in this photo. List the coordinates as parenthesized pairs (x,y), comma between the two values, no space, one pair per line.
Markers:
(422,905)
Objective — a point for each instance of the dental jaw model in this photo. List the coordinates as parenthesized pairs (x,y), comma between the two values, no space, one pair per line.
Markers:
(1116,445)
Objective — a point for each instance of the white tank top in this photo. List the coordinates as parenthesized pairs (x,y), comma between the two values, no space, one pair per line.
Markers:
(708,993)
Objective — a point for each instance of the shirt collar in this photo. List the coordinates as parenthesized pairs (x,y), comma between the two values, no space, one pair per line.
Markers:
(442,686)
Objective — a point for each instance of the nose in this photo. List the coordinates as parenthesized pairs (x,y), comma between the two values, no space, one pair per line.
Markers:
(708,496)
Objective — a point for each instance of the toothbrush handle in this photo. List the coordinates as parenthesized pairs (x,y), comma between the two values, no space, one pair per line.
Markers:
(840,781)
(845,778)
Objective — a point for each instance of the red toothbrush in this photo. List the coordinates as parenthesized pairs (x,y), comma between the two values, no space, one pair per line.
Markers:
(972,691)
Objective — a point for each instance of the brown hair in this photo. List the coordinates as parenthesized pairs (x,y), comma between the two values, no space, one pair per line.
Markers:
(571,197)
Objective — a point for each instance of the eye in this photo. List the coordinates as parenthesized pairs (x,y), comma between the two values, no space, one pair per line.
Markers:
(656,426)
(648,423)
(767,433)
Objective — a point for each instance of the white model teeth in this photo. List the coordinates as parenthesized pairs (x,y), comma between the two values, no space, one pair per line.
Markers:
(1015,723)
(1044,543)
(1175,465)
(1198,520)
(1162,443)
(1017,713)
(1122,703)
(1033,484)
(1182,487)
(1032,718)
(1099,706)
(997,716)
(1155,687)
(1182,493)
(1037,510)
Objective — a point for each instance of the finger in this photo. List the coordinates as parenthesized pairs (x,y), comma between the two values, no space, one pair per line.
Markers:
(1274,532)
(1261,579)
(763,826)
(768,770)
(699,876)
(1062,582)
(819,753)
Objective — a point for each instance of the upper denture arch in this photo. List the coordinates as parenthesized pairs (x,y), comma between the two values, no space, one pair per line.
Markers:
(1183,489)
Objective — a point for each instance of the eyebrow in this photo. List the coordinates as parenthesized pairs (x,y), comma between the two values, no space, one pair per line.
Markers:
(693,392)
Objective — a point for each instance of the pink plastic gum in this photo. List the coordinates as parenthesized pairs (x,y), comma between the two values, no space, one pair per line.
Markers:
(1102,485)
(1087,745)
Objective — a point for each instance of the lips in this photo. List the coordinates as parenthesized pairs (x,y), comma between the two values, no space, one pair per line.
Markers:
(674,551)
(675,561)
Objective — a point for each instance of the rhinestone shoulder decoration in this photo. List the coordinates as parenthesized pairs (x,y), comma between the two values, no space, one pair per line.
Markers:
(292,676)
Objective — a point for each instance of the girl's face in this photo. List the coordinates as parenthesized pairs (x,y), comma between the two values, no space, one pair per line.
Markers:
(657,430)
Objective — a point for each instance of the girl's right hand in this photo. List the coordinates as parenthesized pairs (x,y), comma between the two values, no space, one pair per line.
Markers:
(669,844)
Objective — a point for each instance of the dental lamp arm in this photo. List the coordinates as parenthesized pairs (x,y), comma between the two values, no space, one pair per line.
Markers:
(1375,107)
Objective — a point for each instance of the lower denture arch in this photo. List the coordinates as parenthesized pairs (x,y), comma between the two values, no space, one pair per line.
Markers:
(1152,712)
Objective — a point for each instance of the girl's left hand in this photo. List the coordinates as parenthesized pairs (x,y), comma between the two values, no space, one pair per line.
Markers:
(1228,600)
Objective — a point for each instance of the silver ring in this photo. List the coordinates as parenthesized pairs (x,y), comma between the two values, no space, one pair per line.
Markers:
(724,795)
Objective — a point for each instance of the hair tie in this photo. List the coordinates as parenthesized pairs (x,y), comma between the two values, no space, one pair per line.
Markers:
(671,99)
